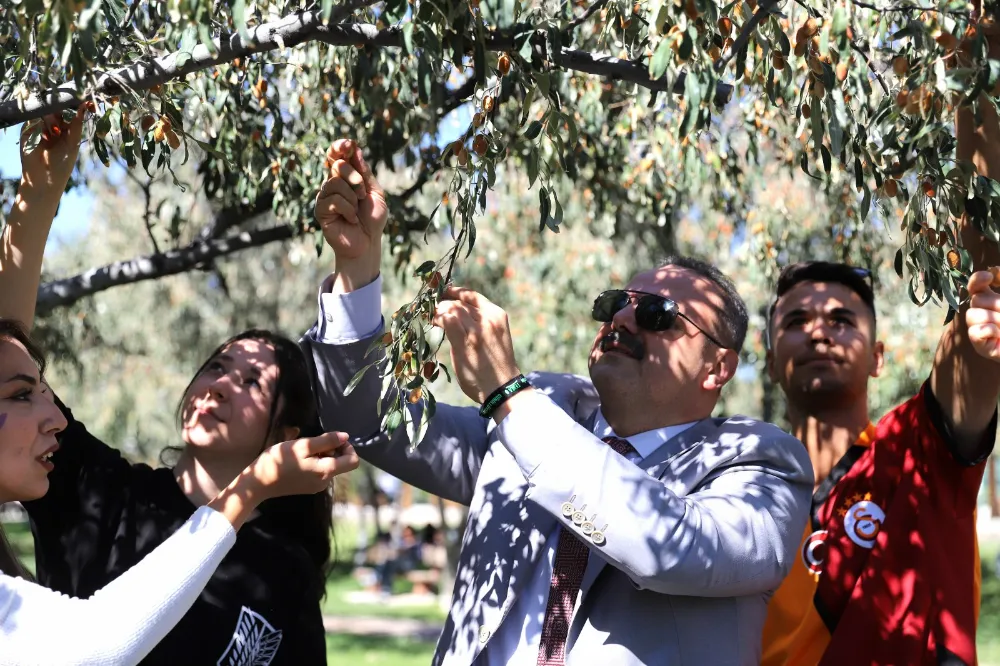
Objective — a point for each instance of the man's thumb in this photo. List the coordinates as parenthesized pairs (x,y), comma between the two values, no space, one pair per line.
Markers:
(361,166)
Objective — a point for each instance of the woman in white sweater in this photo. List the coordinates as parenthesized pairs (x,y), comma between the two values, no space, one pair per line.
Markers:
(122,622)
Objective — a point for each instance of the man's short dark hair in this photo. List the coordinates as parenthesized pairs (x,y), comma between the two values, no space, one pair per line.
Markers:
(855,278)
(733,314)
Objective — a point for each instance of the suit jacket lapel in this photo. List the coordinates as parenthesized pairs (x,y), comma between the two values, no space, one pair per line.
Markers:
(656,464)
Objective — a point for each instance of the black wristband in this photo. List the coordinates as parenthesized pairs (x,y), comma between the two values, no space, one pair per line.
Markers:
(501,395)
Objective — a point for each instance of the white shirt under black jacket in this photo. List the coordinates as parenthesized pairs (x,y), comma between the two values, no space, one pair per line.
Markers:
(357,315)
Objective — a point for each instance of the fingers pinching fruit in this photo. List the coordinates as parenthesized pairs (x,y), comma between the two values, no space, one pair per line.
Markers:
(983,316)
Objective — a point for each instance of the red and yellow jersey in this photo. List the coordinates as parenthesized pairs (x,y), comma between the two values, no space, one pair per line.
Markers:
(888,572)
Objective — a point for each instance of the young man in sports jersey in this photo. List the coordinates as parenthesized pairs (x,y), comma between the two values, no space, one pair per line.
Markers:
(888,571)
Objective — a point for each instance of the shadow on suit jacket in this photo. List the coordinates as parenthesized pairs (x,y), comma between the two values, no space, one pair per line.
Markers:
(698,535)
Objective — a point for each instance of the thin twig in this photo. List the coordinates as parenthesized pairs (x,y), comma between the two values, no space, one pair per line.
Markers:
(116,34)
(763,9)
(871,66)
(904,7)
(577,22)
(809,10)
(146,187)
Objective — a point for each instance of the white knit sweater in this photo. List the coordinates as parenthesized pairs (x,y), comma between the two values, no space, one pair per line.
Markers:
(124,620)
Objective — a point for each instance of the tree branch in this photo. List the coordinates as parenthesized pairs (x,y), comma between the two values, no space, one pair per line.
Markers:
(903,7)
(304,27)
(871,66)
(578,21)
(59,293)
(763,9)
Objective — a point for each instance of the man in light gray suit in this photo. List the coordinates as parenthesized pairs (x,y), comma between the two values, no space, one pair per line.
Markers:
(612,523)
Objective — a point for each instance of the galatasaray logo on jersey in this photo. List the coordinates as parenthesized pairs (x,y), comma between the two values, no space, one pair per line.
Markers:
(863,521)
(814,552)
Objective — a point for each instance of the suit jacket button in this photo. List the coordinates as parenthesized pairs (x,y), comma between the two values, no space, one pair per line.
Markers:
(587,528)
(568,509)
(578,518)
(597,537)
(484,634)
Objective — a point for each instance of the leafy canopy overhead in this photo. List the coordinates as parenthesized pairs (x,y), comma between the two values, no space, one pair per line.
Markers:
(633,103)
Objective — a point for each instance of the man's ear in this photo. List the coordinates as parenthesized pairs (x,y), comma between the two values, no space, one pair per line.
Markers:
(769,366)
(723,370)
(287,434)
(878,359)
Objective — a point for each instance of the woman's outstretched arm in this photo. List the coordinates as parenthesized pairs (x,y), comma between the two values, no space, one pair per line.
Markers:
(44,174)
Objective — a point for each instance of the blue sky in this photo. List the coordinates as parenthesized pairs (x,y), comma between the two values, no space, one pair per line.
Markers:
(74,211)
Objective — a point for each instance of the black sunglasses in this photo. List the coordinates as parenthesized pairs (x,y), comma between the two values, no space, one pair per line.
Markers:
(652,311)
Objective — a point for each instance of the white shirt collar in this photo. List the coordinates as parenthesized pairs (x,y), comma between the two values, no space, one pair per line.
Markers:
(644,442)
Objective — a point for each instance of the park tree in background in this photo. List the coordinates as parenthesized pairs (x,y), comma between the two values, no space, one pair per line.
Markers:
(633,105)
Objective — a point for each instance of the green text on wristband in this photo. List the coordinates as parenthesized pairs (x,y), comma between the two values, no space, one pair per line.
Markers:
(498,397)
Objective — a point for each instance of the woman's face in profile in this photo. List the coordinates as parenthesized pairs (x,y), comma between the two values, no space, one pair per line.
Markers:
(29,423)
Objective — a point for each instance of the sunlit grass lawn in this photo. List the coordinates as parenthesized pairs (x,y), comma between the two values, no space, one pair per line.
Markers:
(377,650)
(341,583)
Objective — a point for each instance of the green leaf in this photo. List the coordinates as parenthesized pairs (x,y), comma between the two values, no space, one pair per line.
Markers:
(532,166)
(897,262)
(205,35)
(327,10)
(534,129)
(393,421)
(543,208)
(408,37)
(687,46)
(239,9)
(356,379)
(866,204)
(692,93)
(839,24)
(529,97)
(661,59)
(472,243)
(211,150)
(149,148)
(804,164)
(827,158)
(479,61)
(425,417)
(424,268)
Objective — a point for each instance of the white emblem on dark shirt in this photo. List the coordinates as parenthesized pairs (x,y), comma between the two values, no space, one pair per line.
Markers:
(863,522)
(254,643)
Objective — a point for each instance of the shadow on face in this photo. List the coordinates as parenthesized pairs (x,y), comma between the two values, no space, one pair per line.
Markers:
(29,423)
(823,343)
(227,409)
(663,370)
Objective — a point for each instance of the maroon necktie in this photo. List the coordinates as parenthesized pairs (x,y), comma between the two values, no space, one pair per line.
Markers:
(567,574)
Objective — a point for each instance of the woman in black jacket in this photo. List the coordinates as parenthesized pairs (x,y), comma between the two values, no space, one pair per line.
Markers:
(103,514)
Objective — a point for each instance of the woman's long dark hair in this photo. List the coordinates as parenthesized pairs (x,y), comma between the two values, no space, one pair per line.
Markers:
(12,330)
(308,519)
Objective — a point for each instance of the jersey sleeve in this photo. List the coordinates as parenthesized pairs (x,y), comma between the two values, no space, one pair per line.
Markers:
(946,470)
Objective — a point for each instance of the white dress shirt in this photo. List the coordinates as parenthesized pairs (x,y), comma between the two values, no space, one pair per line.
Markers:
(350,317)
